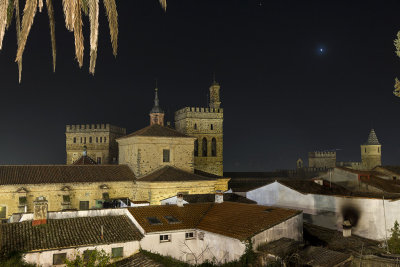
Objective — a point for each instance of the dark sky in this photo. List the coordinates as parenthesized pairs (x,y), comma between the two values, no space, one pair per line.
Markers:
(282,97)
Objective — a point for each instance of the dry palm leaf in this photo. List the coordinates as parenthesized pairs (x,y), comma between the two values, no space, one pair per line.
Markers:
(112,15)
(27,21)
(94,32)
(163,4)
(50,11)
(79,46)
(10,13)
(40,5)
(18,26)
(3,19)
(69,9)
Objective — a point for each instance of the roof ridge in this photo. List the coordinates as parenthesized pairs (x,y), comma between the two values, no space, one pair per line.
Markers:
(205,213)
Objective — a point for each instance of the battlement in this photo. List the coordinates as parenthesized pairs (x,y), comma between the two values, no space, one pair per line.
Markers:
(89,128)
(199,110)
(322,154)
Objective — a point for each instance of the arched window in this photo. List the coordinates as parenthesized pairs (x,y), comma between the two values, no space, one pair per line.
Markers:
(101,139)
(90,139)
(196,148)
(204,147)
(214,147)
(74,140)
(212,127)
(195,126)
(97,139)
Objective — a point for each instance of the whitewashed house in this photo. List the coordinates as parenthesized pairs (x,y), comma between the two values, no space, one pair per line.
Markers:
(47,239)
(372,214)
(216,232)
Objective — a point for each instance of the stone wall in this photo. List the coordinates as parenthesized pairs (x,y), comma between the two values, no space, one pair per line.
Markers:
(322,159)
(371,156)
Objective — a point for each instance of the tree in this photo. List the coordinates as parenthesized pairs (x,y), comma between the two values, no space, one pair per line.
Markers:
(94,258)
(394,241)
(73,12)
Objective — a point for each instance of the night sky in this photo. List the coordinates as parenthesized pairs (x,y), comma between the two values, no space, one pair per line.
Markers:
(296,76)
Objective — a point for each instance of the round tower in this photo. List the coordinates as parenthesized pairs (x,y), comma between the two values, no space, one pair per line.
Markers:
(371,152)
(156,113)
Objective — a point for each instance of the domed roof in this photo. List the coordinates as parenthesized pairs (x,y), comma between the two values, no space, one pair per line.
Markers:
(372,139)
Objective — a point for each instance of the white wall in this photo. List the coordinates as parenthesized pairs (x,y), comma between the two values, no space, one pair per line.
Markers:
(45,258)
(327,211)
(214,246)
(171,201)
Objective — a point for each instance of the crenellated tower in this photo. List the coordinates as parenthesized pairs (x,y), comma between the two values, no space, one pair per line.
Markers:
(206,124)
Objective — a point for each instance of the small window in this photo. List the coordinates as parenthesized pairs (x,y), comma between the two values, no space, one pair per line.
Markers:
(83,205)
(204,147)
(74,140)
(87,254)
(106,196)
(84,140)
(212,127)
(378,149)
(3,212)
(365,149)
(196,148)
(101,139)
(195,126)
(165,238)
(394,178)
(165,155)
(189,235)
(66,199)
(105,139)
(22,201)
(171,219)
(90,139)
(97,139)
(117,252)
(59,258)
(98,160)
(153,220)
(81,140)
(214,147)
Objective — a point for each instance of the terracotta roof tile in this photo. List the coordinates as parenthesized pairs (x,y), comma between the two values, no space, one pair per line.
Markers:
(64,233)
(156,130)
(171,174)
(46,174)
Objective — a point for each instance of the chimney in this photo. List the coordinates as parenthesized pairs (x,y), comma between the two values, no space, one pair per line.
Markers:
(179,200)
(219,196)
(346,228)
(40,211)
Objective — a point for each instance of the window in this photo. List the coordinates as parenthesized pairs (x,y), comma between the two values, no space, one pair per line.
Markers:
(59,258)
(87,254)
(106,195)
(22,201)
(117,252)
(105,139)
(204,147)
(84,140)
(212,127)
(3,212)
(165,238)
(153,220)
(378,149)
(394,178)
(66,199)
(196,148)
(83,205)
(90,139)
(171,219)
(97,139)
(81,140)
(195,126)
(165,155)
(74,140)
(98,160)
(189,235)
(214,147)
(101,139)
(365,149)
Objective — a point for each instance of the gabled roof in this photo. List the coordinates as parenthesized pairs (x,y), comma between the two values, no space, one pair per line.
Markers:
(394,169)
(48,174)
(156,130)
(311,187)
(385,185)
(236,220)
(372,138)
(66,233)
(199,198)
(85,160)
(172,174)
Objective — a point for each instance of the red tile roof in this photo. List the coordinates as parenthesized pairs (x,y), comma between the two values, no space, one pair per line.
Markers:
(47,174)
(158,131)
(236,220)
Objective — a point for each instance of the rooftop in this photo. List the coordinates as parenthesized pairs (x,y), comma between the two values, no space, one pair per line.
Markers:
(85,160)
(65,233)
(172,174)
(236,220)
(199,198)
(47,174)
(156,130)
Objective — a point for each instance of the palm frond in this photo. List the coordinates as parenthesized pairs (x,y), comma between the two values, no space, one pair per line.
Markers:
(112,15)
(94,32)
(163,4)
(3,19)
(10,13)
(50,11)
(85,7)
(69,9)
(40,5)
(27,21)
(79,46)
(18,26)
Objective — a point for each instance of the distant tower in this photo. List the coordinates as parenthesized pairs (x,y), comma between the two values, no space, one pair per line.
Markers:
(371,152)
(206,124)
(156,113)
(299,163)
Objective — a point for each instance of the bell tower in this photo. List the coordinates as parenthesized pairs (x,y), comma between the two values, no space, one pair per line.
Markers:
(156,113)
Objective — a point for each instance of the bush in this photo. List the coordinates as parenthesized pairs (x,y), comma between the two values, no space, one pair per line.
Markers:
(394,241)
(14,260)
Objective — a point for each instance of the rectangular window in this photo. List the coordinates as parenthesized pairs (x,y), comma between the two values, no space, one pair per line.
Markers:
(83,205)
(105,139)
(3,213)
(97,139)
(165,155)
(22,201)
(153,220)
(98,160)
(165,238)
(66,199)
(117,252)
(189,235)
(106,196)
(171,219)
(59,258)
(101,139)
